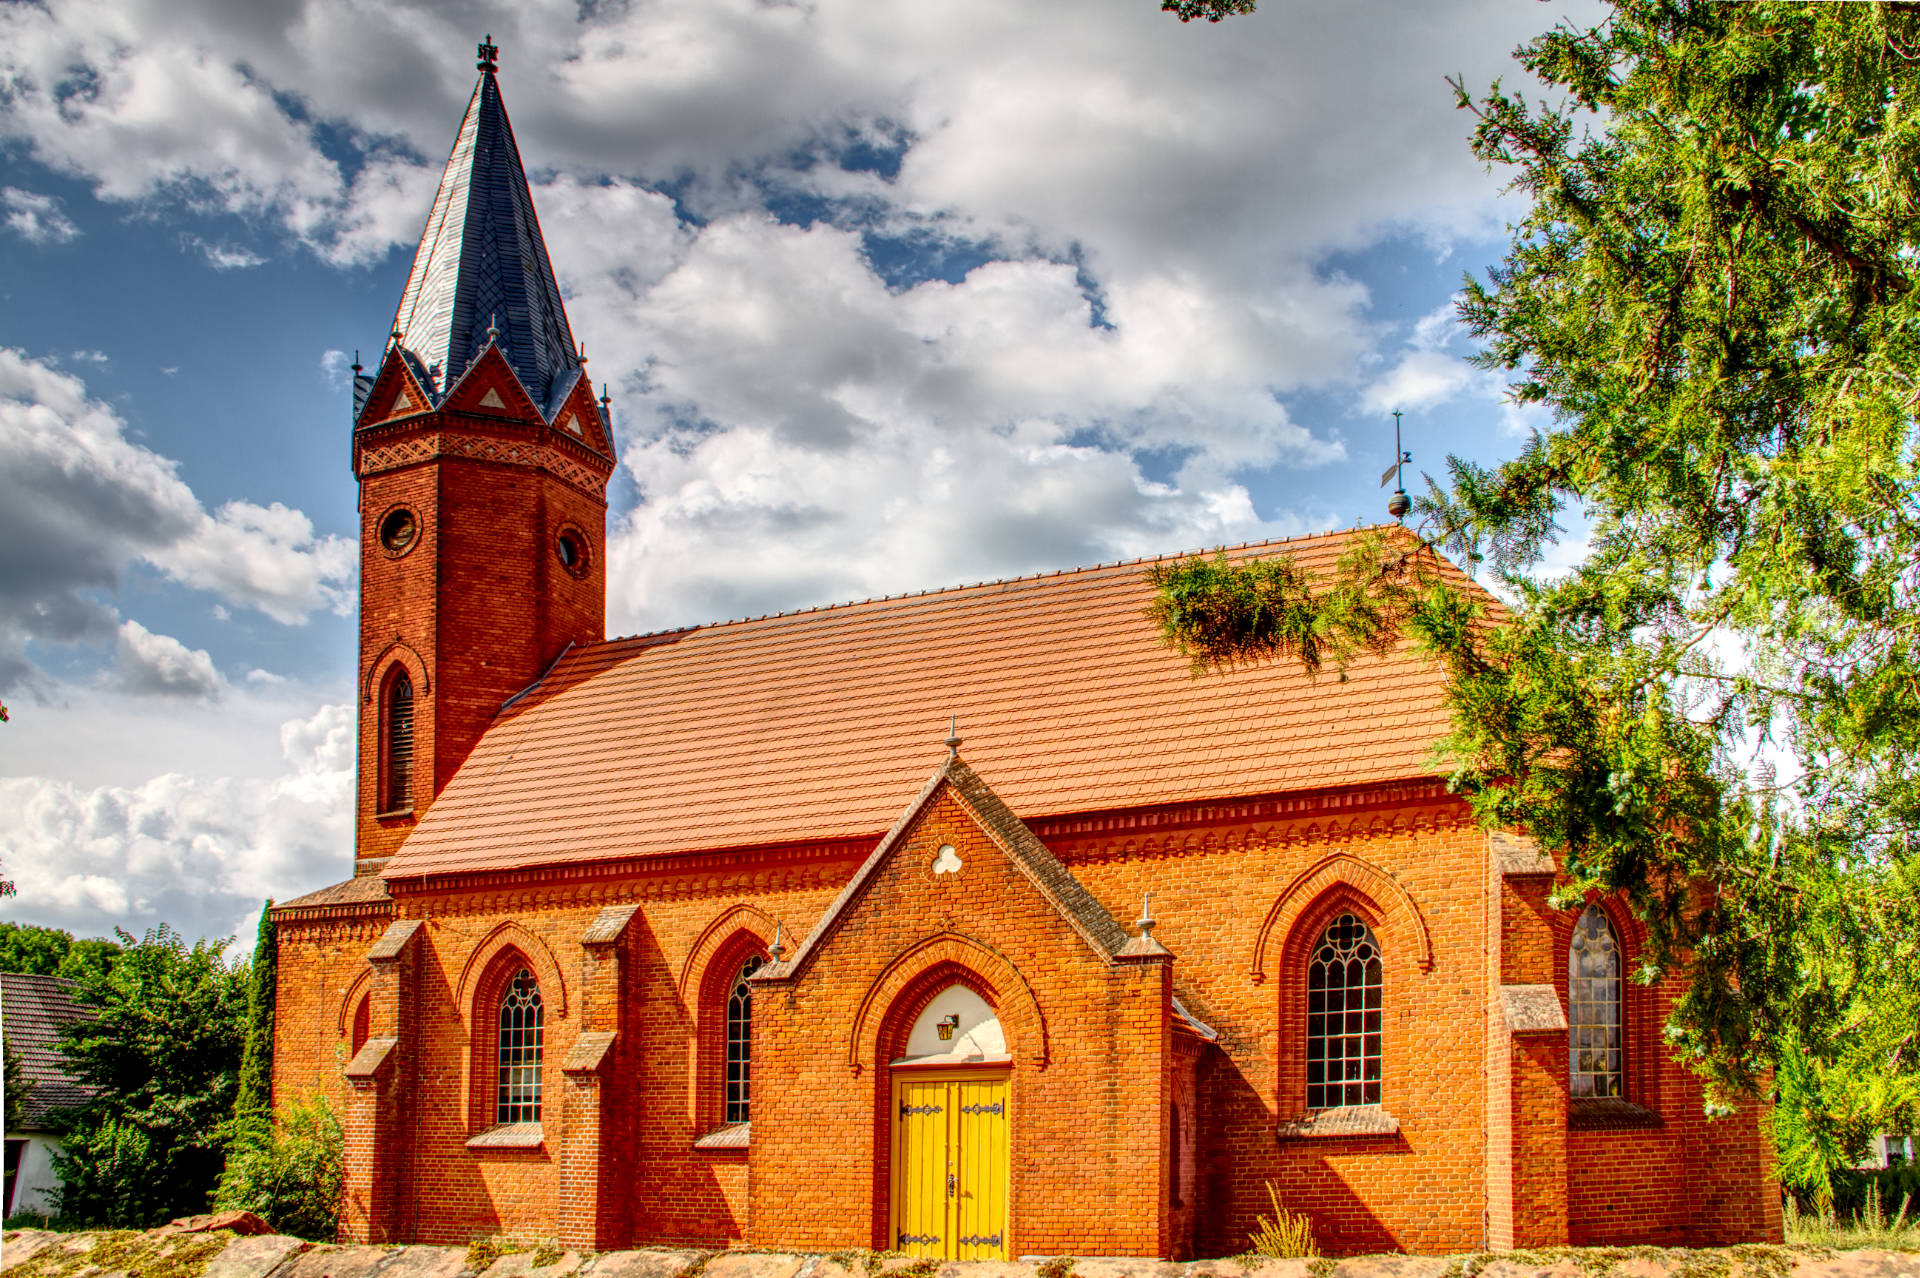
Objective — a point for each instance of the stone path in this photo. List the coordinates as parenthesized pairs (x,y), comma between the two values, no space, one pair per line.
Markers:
(31,1253)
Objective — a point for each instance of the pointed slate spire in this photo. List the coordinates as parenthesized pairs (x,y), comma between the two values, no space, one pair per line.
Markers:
(482,261)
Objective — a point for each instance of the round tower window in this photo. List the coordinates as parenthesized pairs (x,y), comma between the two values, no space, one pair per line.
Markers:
(571,547)
(399,530)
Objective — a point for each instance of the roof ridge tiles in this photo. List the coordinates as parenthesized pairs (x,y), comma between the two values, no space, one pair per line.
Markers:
(959,587)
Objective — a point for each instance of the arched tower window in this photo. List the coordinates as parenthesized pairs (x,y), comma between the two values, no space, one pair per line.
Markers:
(739,1101)
(1594,1056)
(519,1086)
(399,744)
(1343,1017)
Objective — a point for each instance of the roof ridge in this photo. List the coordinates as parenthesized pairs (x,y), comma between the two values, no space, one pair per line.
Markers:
(930,591)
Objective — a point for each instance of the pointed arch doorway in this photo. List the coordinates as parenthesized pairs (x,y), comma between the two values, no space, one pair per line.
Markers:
(951,1118)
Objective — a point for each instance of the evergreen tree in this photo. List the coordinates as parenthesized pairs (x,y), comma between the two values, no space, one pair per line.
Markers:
(1713,296)
(255,1099)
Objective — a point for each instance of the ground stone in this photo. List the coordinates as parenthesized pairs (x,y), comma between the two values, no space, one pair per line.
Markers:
(18,1246)
(649,1263)
(743,1264)
(254,1257)
(337,1262)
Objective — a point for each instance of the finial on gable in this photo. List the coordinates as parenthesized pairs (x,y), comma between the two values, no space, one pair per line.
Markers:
(489,54)
(953,737)
(778,950)
(493,328)
(1146,920)
(356,366)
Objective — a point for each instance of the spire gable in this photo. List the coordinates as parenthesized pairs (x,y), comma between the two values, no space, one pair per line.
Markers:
(482,272)
(395,390)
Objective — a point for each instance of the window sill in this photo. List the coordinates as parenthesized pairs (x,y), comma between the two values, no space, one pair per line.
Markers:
(732,1136)
(1610,1113)
(1333,1124)
(509,1136)
(397,814)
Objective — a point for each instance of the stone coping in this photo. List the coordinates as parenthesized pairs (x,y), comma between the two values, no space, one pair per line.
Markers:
(31,1253)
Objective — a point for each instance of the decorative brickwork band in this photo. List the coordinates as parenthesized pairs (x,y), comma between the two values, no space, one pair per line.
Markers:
(1398,914)
(376,458)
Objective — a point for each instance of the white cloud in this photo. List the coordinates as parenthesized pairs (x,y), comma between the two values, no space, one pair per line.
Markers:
(147,664)
(79,502)
(36,218)
(199,852)
(224,257)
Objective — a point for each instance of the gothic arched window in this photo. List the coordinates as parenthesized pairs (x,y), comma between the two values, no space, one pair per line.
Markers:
(1343,1017)
(399,745)
(519,1089)
(1594,1056)
(739,1107)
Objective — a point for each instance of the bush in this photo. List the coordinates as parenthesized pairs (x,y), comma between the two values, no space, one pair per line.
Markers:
(161,1055)
(1855,1191)
(290,1174)
(1288,1234)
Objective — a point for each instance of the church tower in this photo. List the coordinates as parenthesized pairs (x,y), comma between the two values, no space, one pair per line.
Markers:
(483,461)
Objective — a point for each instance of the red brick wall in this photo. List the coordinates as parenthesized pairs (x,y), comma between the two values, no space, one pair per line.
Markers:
(1086,1103)
(1096,1113)
(477,608)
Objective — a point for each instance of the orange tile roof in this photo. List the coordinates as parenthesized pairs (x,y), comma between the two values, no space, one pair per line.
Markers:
(821,724)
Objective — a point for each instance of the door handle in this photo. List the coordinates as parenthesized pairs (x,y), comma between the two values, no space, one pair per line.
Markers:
(951,1185)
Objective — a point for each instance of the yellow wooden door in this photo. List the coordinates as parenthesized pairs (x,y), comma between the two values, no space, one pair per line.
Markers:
(950,1160)
(923,1123)
(980,1199)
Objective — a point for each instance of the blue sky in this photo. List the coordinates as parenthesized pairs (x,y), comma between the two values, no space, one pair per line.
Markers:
(887,297)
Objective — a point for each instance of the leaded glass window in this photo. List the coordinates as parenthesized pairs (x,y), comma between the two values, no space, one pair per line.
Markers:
(519,1092)
(740,1043)
(399,796)
(1593,1007)
(1343,1017)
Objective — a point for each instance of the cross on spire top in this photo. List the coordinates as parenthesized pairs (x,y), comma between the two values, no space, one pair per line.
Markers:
(489,54)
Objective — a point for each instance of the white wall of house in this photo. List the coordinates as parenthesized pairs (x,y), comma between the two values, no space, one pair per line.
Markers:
(35,1181)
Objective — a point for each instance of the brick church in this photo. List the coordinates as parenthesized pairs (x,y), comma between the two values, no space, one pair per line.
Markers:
(963,923)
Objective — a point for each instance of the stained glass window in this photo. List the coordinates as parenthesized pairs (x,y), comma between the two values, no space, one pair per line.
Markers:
(1343,1017)
(519,1094)
(1593,1007)
(740,1044)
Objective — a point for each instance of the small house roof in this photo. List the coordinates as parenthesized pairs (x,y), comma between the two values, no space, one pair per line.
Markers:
(33,1011)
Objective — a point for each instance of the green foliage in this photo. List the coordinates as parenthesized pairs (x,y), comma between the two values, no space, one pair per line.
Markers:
(16,1085)
(1220,613)
(255,1097)
(292,1174)
(49,951)
(1711,297)
(1211,10)
(163,1055)
(1869,1225)
(1285,1235)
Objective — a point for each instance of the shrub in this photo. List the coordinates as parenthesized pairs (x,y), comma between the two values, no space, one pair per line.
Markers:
(1287,1234)
(161,1056)
(290,1174)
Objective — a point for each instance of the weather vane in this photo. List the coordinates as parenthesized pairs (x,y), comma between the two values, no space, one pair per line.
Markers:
(1399,504)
